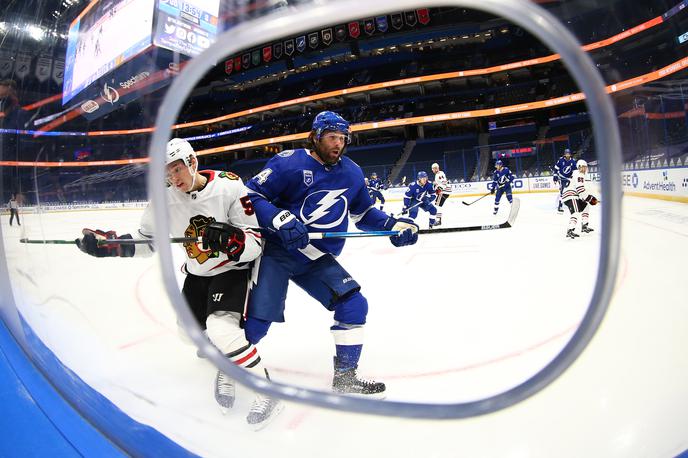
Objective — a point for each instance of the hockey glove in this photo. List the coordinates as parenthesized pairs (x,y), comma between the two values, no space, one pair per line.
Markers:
(555,178)
(592,200)
(408,231)
(291,231)
(493,190)
(225,238)
(94,243)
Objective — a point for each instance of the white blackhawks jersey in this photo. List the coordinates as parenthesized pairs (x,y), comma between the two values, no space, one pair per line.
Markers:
(441,182)
(223,199)
(576,188)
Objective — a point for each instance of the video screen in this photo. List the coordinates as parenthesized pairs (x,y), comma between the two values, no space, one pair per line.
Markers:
(187,27)
(105,35)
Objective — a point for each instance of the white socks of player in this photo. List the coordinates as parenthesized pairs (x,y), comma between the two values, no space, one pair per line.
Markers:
(225,333)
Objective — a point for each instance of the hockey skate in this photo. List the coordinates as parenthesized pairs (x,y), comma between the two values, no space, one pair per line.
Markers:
(224,391)
(346,381)
(263,410)
(570,234)
(560,210)
(586,229)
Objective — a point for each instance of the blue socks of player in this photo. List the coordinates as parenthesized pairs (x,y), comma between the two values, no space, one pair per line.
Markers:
(347,356)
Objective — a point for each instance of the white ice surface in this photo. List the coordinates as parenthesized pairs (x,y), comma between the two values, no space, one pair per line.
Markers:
(457,317)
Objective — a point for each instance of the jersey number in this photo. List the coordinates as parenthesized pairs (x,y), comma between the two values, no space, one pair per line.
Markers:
(247,204)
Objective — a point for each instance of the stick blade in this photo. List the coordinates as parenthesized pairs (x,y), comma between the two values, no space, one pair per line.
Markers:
(515,207)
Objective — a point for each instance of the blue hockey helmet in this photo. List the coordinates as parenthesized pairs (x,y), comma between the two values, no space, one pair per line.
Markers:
(498,163)
(567,151)
(329,120)
(374,174)
(422,174)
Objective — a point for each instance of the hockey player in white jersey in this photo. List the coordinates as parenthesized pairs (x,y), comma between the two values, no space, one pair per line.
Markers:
(212,205)
(576,198)
(442,189)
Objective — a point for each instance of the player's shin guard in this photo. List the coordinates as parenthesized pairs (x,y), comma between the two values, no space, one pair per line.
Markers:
(225,333)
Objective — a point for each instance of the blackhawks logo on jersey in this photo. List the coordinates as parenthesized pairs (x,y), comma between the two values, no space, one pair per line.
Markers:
(194,250)
(230,175)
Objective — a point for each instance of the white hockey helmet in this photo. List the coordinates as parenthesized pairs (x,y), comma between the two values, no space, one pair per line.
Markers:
(177,149)
(581,163)
(434,166)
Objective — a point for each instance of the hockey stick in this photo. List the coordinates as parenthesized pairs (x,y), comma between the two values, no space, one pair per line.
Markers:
(311,236)
(104,242)
(515,206)
(481,197)
(513,213)
(49,242)
(405,211)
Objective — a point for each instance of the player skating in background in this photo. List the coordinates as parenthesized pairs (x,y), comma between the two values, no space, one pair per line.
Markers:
(212,205)
(563,170)
(375,187)
(576,197)
(501,183)
(421,194)
(317,190)
(442,189)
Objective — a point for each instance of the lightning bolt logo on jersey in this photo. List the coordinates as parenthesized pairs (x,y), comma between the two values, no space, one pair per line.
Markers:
(324,209)
(324,203)
(564,167)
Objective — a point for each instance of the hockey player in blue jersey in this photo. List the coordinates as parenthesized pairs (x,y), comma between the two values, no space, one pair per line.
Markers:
(317,190)
(375,188)
(563,170)
(501,183)
(420,194)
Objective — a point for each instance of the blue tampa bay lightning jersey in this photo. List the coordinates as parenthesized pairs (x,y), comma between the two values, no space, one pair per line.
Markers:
(321,196)
(564,167)
(503,178)
(375,184)
(418,193)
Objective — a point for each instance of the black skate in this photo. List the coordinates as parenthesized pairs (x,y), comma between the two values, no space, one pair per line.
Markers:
(347,382)
(224,391)
(586,229)
(560,210)
(263,410)
(570,234)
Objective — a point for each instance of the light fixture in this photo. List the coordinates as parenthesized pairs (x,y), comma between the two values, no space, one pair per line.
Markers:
(35,32)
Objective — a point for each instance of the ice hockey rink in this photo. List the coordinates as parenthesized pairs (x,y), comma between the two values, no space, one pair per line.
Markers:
(457,317)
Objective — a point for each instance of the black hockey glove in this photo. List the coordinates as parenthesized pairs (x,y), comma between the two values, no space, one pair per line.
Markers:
(225,238)
(555,178)
(94,242)
(592,200)
(408,231)
(493,190)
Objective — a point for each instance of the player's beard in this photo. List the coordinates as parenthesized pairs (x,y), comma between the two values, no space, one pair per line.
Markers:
(329,157)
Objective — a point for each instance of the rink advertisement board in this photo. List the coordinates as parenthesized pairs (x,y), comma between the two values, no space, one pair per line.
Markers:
(188,27)
(666,184)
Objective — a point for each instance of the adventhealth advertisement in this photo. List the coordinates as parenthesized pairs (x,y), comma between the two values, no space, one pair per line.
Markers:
(670,183)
